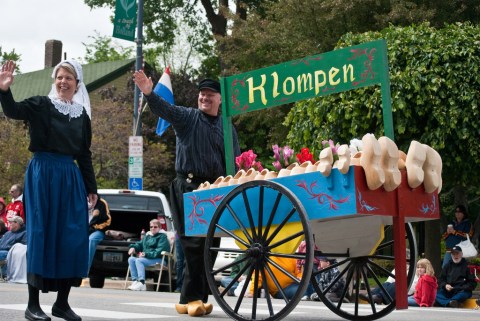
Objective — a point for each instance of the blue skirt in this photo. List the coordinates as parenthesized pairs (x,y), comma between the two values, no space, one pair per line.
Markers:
(57,222)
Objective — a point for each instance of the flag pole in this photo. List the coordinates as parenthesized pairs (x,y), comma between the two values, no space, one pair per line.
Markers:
(137,124)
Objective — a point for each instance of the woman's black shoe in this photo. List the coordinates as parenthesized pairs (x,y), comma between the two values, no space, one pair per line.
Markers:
(68,314)
(39,315)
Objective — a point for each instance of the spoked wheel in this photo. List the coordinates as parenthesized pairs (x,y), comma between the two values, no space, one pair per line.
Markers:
(268,223)
(357,273)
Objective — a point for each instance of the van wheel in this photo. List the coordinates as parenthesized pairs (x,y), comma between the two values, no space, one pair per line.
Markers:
(97,281)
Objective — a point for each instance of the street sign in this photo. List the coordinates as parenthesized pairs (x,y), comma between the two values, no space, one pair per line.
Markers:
(135,162)
(135,167)
(125,19)
(135,183)
(135,146)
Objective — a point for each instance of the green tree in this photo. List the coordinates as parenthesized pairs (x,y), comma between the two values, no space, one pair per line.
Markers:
(435,100)
(12,55)
(104,49)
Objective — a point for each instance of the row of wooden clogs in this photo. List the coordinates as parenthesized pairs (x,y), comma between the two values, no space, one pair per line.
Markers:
(380,159)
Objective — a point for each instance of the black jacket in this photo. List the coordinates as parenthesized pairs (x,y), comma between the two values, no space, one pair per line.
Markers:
(457,275)
(101,217)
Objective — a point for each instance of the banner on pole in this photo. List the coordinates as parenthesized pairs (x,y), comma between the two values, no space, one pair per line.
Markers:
(125,19)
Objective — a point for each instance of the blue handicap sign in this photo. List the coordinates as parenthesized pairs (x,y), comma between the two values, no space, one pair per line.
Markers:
(135,183)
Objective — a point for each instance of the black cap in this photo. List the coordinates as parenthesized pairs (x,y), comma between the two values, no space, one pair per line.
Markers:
(456,248)
(209,84)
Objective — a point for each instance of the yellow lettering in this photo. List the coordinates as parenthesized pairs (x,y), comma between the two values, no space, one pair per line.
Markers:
(275,92)
(347,69)
(331,75)
(251,90)
(306,80)
(292,86)
(318,83)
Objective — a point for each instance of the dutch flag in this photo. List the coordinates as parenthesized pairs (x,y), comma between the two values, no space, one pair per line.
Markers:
(164,90)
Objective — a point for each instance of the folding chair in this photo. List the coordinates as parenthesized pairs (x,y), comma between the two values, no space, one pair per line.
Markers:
(160,267)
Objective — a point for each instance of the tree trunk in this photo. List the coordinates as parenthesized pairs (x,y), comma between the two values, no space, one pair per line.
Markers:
(432,245)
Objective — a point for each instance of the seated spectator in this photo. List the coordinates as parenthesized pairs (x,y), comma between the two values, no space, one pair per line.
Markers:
(335,293)
(226,280)
(3,210)
(300,265)
(456,283)
(146,252)
(17,234)
(17,264)
(99,220)
(381,297)
(3,228)
(288,285)
(426,288)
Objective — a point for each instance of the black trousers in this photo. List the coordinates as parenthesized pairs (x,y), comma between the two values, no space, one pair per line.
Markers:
(195,286)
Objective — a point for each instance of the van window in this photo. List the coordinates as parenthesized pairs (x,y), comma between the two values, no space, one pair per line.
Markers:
(134,202)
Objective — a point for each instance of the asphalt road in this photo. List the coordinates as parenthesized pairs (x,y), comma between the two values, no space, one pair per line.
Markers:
(117,304)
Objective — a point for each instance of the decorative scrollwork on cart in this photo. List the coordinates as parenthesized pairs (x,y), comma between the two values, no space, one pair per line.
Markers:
(198,211)
(322,198)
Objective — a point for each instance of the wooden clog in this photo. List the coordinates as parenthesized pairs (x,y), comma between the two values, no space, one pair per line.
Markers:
(326,161)
(416,157)
(389,163)
(343,162)
(432,169)
(300,169)
(370,161)
(196,308)
(249,176)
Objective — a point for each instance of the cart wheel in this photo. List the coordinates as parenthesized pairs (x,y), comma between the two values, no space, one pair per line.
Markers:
(268,222)
(356,271)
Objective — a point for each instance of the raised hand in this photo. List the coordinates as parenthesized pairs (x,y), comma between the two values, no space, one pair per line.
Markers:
(6,75)
(144,83)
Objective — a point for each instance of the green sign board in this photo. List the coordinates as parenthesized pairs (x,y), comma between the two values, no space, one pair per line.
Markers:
(332,72)
(125,19)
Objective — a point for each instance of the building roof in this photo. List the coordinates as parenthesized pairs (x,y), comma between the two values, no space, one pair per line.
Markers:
(95,75)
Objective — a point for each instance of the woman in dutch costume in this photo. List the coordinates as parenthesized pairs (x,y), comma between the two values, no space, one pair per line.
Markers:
(56,188)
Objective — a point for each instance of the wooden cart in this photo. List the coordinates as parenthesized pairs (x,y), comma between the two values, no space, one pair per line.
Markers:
(363,229)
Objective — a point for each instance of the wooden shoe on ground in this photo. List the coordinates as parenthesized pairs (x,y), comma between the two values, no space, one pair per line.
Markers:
(181,308)
(196,308)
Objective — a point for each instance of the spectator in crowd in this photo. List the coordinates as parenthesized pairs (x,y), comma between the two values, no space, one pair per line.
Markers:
(456,232)
(3,210)
(146,252)
(199,135)
(99,220)
(380,297)
(325,278)
(17,234)
(3,228)
(236,269)
(426,288)
(15,208)
(288,286)
(456,283)
(179,264)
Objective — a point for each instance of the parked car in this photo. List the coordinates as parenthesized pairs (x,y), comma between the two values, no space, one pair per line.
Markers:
(225,258)
(131,213)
